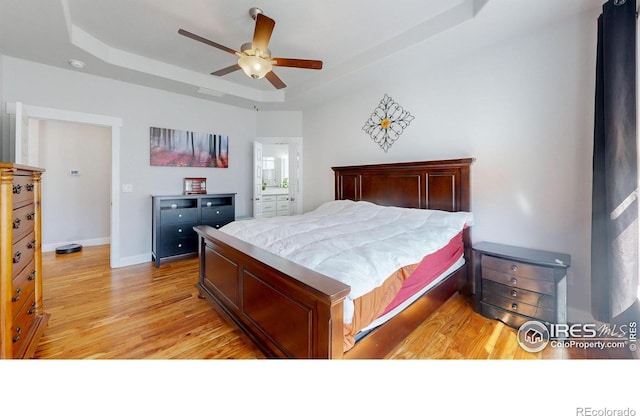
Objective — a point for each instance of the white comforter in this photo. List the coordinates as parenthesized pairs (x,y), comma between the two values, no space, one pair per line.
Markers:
(358,243)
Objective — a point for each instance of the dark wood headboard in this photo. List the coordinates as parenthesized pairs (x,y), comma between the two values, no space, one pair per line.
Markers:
(440,184)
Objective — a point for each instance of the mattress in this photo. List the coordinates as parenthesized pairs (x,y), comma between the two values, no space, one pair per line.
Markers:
(402,289)
(374,249)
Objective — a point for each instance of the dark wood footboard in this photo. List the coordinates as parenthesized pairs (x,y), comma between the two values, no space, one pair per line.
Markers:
(286,310)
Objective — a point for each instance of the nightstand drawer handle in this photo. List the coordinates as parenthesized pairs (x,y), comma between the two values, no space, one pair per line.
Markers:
(30,187)
(209,204)
(180,245)
(17,189)
(514,293)
(179,230)
(179,215)
(16,257)
(16,223)
(17,296)
(31,216)
(32,275)
(514,268)
(514,306)
(31,244)
(514,281)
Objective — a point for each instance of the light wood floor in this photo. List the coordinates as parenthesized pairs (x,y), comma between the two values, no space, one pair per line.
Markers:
(140,312)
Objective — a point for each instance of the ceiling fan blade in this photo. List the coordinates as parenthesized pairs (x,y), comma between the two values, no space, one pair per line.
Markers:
(262,32)
(274,80)
(227,70)
(206,41)
(297,63)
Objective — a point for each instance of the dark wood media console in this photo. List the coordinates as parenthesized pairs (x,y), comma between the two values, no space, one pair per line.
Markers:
(289,311)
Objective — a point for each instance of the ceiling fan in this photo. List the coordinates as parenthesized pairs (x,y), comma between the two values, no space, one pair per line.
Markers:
(255,57)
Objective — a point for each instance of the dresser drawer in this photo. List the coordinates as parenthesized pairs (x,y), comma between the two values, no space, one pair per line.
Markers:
(178,246)
(281,198)
(539,286)
(23,221)
(534,312)
(518,269)
(282,206)
(518,295)
(22,323)
(23,190)
(23,252)
(215,213)
(179,215)
(269,198)
(23,286)
(268,206)
(177,231)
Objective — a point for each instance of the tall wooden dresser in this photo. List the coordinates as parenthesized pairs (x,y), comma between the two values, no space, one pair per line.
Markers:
(22,316)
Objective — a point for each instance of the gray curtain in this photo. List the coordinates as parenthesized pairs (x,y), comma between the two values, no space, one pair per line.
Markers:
(614,239)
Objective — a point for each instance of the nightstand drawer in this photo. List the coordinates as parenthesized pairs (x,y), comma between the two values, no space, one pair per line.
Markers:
(517,269)
(517,294)
(534,312)
(539,286)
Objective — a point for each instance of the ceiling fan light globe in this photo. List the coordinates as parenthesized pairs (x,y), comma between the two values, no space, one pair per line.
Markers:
(254,66)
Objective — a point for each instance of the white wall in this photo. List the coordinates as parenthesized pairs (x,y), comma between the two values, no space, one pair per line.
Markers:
(140,108)
(522,108)
(279,123)
(75,209)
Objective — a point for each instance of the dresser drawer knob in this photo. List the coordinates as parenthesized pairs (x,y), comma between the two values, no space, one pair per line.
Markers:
(33,309)
(180,245)
(514,306)
(31,216)
(32,275)
(179,230)
(31,244)
(209,204)
(514,268)
(16,257)
(17,296)
(514,281)
(16,223)
(30,187)
(514,293)
(217,212)
(17,337)
(179,215)
(17,189)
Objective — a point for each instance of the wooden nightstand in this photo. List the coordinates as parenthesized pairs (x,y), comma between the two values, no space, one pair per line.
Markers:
(516,285)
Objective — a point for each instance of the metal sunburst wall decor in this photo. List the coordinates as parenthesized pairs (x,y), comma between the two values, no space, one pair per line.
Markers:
(387,122)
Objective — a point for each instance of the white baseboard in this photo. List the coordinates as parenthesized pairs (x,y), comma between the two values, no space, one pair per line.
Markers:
(91,242)
(133,260)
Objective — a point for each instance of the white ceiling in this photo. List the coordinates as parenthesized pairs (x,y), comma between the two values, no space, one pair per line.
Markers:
(359,41)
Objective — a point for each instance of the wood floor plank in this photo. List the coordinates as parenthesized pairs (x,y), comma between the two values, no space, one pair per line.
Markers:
(143,312)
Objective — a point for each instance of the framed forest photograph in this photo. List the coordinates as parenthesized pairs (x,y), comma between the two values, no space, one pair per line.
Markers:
(183,148)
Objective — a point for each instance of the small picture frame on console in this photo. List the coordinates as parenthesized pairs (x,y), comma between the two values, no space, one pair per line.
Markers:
(195,186)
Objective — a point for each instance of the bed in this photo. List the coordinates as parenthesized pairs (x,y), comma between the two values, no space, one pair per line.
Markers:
(289,310)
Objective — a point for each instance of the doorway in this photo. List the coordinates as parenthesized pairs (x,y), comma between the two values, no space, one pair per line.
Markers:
(20,116)
(280,168)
